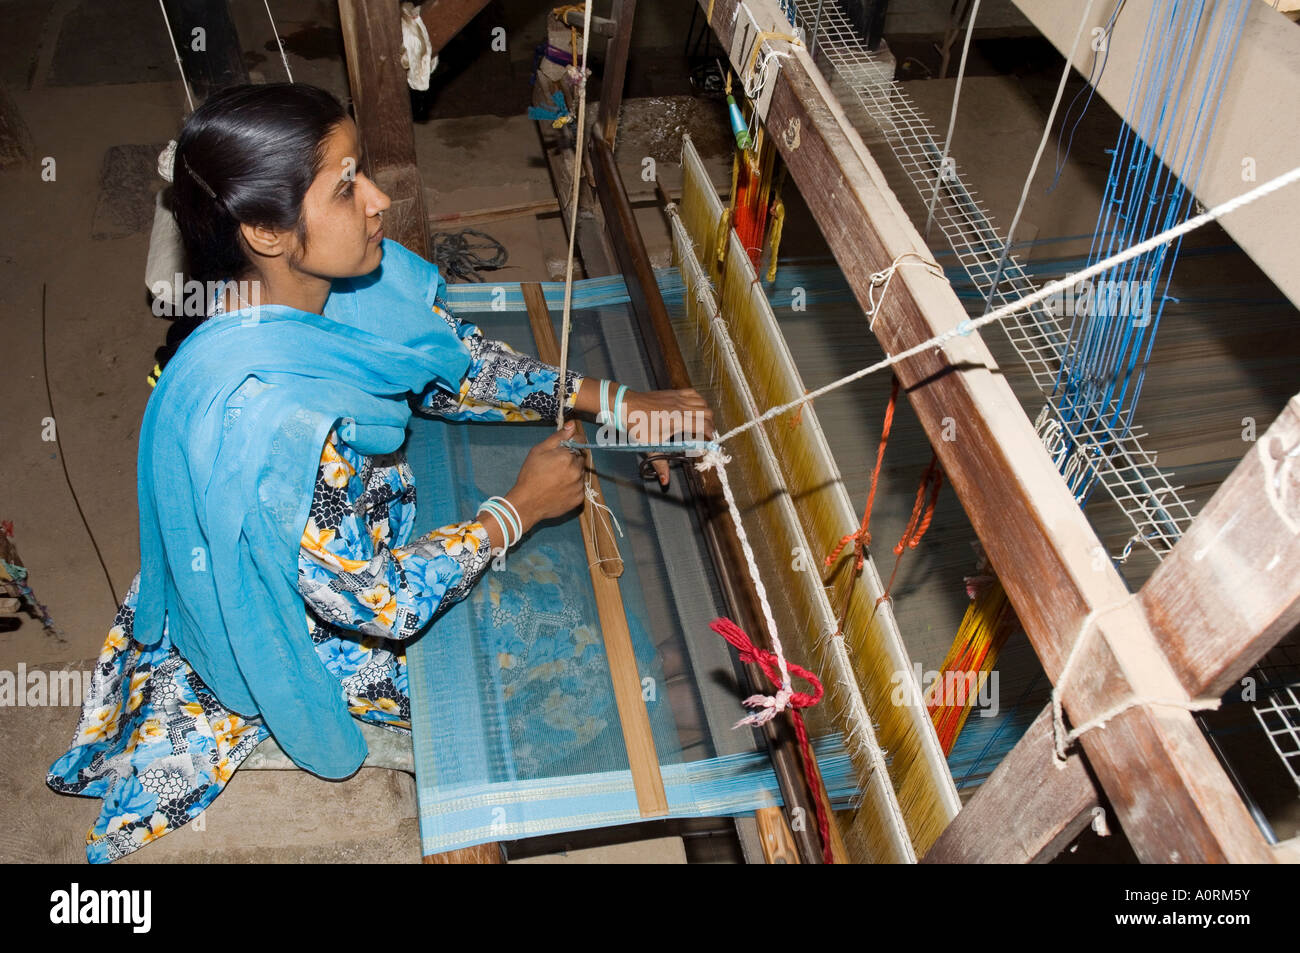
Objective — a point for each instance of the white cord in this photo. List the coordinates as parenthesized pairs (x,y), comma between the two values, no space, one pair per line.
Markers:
(1042,144)
(276,30)
(944,170)
(967,326)
(171,36)
(771,705)
(573,220)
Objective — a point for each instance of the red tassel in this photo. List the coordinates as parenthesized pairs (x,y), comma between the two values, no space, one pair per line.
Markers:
(767,661)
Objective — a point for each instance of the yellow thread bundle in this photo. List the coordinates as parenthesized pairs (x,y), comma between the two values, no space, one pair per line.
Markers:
(799,525)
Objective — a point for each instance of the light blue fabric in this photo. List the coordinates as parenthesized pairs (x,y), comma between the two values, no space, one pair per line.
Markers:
(226,473)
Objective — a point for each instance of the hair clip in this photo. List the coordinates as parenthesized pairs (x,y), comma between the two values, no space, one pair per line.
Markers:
(195,176)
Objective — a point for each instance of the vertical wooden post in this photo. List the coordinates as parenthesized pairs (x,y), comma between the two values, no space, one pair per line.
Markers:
(611,83)
(372,37)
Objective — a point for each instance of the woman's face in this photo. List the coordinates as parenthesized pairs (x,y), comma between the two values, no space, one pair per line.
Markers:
(341,212)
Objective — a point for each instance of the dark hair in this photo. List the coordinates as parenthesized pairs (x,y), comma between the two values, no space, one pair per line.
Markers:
(246,156)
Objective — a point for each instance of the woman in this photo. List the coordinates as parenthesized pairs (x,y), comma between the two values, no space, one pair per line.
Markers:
(270,475)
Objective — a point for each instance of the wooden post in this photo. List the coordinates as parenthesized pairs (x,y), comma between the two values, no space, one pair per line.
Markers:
(1159,774)
(372,37)
(635,720)
(615,73)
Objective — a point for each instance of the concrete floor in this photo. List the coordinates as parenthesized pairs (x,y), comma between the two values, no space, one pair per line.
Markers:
(75,320)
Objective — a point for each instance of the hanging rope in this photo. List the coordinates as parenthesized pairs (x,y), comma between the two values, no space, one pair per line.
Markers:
(189,98)
(276,30)
(920,520)
(1033,166)
(581,77)
(770,705)
(944,171)
(861,538)
(176,51)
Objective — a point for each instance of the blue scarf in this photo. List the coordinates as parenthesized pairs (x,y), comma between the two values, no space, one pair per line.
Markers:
(225,485)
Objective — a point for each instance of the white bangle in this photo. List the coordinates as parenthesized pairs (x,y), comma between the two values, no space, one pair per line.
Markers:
(512,527)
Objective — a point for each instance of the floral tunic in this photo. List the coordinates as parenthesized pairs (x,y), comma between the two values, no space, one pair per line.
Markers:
(154,742)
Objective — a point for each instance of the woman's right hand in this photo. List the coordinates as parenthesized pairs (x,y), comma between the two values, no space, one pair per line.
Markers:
(551,481)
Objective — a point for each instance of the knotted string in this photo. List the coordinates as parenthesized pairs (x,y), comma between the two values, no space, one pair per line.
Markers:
(774,666)
(861,538)
(1062,739)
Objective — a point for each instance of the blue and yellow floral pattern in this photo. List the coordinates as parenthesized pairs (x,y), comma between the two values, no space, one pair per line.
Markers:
(158,747)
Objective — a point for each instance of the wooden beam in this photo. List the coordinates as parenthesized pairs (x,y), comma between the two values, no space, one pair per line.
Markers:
(774,834)
(668,369)
(372,38)
(496,213)
(635,720)
(489,853)
(445,18)
(615,72)
(1230,589)
(1026,812)
(1161,777)
(1225,595)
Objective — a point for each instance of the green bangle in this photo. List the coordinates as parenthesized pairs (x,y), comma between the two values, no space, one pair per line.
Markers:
(619,424)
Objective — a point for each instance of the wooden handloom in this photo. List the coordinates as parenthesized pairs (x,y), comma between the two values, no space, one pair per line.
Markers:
(1193,630)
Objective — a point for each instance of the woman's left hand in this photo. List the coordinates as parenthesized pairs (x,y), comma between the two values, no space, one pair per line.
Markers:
(660,416)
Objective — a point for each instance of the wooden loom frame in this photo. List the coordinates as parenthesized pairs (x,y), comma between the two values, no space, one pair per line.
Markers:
(1184,636)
